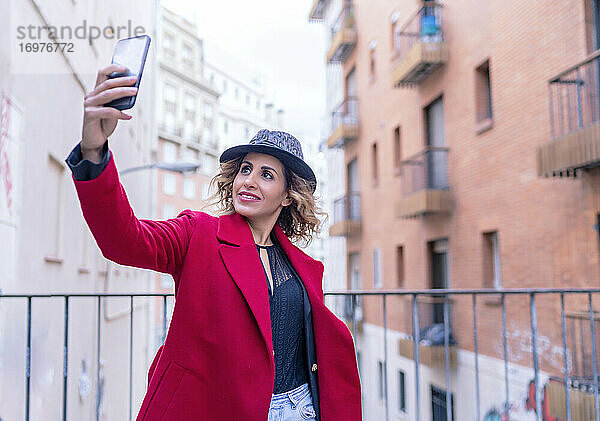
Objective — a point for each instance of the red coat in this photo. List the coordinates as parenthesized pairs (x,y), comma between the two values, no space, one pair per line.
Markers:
(217,360)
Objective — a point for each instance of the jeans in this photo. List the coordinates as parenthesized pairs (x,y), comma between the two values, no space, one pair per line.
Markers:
(293,405)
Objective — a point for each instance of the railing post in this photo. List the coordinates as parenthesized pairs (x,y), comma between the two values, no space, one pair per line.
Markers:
(65,357)
(130,355)
(476,357)
(594,365)
(98,322)
(28,360)
(416,350)
(385,357)
(505,351)
(533,314)
(566,361)
(447,354)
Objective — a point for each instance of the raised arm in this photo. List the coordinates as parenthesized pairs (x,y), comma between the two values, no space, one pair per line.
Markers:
(121,236)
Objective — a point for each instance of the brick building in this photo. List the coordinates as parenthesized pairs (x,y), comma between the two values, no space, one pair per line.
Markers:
(470,138)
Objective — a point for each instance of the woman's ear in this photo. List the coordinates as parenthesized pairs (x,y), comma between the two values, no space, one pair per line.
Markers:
(287,201)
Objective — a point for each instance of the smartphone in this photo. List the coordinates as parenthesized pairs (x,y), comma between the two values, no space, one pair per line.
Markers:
(129,52)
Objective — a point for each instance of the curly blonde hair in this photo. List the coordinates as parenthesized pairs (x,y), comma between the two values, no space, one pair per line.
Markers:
(298,220)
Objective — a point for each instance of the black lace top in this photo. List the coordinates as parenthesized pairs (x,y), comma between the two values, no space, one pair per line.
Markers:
(287,322)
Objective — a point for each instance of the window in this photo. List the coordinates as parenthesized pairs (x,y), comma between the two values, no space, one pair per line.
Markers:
(401,391)
(438,405)
(592,25)
(168,44)
(189,188)
(395,32)
(483,93)
(372,70)
(381,379)
(205,190)
(187,52)
(169,184)
(257,104)
(208,110)
(53,209)
(212,79)
(225,127)
(377,278)
(438,275)
(374,166)
(224,86)
(189,102)
(247,99)
(168,211)
(400,266)
(169,152)
(397,150)
(237,92)
(492,277)
(246,131)
(166,280)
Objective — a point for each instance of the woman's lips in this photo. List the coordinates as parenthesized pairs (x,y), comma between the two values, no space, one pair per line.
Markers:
(248,198)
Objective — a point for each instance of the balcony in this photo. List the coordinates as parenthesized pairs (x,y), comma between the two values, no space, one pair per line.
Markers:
(575,122)
(170,131)
(425,187)
(432,335)
(343,36)
(344,123)
(346,216)
(419,47)
(316,11)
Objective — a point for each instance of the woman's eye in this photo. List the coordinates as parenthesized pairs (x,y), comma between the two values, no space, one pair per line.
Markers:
(245,168)
(268,173)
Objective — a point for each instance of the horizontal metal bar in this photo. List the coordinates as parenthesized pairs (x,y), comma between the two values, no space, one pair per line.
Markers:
(347,292)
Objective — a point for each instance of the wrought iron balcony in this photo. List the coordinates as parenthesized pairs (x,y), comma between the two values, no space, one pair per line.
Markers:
(575,121)
(346,216)
(419,46)
(344,123)
(343,36)
(316,11)
(425,187)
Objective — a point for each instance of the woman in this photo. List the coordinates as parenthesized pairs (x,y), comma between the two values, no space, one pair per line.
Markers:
(250,337)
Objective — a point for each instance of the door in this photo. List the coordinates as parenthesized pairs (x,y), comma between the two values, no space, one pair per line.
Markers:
(435,159)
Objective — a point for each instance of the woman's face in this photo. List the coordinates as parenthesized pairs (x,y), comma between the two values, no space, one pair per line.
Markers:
(259,187)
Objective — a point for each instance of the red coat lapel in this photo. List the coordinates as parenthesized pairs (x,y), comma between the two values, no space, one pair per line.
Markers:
(241,259)
(238,251)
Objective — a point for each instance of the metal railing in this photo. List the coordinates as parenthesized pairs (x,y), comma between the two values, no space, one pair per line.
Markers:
(426,170)
(423,26)
(575,97)
(347,208)
(532,294)
(345,20)
(586,320)
(346,113)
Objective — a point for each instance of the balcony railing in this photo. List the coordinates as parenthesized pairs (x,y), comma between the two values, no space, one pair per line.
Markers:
(344,123)
(425,183)
(577,332)
(575,121)
(419,46)
(346,215)
(171,130)
(343,35)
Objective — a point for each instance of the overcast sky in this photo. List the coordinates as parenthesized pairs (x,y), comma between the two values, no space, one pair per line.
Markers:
(275,37)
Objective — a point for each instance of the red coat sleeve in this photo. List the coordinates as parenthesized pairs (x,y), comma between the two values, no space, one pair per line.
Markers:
(121,236)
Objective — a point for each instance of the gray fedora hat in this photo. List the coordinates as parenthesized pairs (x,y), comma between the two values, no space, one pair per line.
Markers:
(282,146)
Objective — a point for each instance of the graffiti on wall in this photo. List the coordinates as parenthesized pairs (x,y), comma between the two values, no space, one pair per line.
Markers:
(5,173)
(519,348)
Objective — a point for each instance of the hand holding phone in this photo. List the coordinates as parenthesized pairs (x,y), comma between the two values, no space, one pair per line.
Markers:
(129,52)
